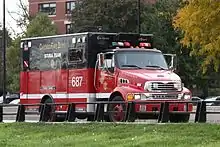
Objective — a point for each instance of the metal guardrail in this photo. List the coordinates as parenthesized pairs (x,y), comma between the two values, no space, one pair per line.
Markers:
(71,114)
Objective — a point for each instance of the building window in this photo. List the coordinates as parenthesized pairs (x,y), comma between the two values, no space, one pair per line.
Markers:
(68,28)
(70,6)
(49,8)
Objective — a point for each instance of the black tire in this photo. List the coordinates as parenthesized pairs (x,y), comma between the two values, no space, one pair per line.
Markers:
(179,118)
(51,116)
(120,114)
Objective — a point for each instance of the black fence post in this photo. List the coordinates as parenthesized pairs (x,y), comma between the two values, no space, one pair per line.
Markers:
(161,112)
(45,112)
(99,112)
(187,107)
(20,114)
(202,113)
(42,107)
(130,113)
(197,111)
(165,115)
(71,113)
(1,113)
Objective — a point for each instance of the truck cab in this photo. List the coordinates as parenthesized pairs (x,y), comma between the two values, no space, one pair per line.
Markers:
(139,73)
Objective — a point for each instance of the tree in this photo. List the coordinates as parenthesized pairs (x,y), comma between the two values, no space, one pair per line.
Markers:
(13,65)
(158,21)
(8,37)
(111,15)
(198,20)
(8,43)
(21,17)
(41,25)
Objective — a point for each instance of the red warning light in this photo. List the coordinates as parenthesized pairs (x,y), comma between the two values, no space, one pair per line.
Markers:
(127,44)
(26,63)
(145,44)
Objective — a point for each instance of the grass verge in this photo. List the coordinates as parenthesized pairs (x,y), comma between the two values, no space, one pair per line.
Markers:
(106,135)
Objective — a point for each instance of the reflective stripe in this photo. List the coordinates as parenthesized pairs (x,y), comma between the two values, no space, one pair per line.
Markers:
(67,95)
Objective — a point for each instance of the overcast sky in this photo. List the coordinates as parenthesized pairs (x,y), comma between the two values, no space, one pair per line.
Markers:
(11,5)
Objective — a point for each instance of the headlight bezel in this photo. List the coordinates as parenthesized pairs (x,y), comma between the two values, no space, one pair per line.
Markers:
(136,96)
(187,96)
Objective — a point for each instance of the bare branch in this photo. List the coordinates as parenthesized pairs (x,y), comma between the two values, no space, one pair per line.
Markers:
(11,28)
(17,20)
(24,8)
(21,17)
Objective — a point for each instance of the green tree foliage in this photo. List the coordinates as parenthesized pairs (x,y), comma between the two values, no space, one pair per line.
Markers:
(8,38)
(157,19)
(199,22)
(13,65)
(111,15)
(41,25)
(8,43)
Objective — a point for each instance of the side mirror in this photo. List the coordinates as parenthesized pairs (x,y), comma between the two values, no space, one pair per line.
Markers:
(101,59)
(171,60)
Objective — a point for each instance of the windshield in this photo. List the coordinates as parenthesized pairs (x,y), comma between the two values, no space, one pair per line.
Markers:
(141,59)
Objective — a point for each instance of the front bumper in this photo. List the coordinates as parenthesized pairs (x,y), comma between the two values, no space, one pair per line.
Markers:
(154,106)
(150,102)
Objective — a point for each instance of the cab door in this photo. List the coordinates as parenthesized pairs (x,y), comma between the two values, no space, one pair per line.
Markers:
(105,76)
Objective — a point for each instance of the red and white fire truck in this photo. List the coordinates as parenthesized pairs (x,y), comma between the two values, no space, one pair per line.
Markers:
(98,66)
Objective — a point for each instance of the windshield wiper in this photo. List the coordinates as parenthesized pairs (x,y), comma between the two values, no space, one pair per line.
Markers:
(130,65)
(155,66)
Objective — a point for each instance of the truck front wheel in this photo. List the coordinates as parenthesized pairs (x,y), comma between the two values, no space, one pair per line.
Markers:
(117,112)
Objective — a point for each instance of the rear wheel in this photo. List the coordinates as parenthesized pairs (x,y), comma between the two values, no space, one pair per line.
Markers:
(50,116)
(175,118)
(117,112)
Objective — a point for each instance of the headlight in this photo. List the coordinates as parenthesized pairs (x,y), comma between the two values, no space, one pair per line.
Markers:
(186,96)
(137,96)
(140,97)
(133,96)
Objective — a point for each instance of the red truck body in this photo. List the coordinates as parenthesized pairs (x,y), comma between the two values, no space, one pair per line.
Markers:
(90,67)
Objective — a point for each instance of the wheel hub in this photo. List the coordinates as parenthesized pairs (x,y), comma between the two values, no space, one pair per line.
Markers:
(118,112)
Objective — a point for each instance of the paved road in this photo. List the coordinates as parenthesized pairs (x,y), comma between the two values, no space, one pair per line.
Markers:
(211,118)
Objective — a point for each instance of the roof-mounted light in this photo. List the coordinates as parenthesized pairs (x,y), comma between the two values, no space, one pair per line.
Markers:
(143,44)
(117,44)
(121,44)
(127,44)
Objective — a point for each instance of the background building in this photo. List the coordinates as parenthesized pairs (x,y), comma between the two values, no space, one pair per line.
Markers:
(57,10)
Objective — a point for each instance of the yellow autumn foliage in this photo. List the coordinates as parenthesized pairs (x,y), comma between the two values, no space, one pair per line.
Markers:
(199,20)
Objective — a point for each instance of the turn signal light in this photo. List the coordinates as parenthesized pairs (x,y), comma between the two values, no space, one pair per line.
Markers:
(130,97)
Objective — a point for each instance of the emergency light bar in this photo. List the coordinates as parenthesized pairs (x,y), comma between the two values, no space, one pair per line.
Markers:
(127,44)
(124,44)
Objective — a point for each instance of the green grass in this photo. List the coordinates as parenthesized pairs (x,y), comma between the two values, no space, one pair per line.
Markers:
(106,135)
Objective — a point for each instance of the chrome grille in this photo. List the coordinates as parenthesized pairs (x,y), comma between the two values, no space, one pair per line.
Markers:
(163,87)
